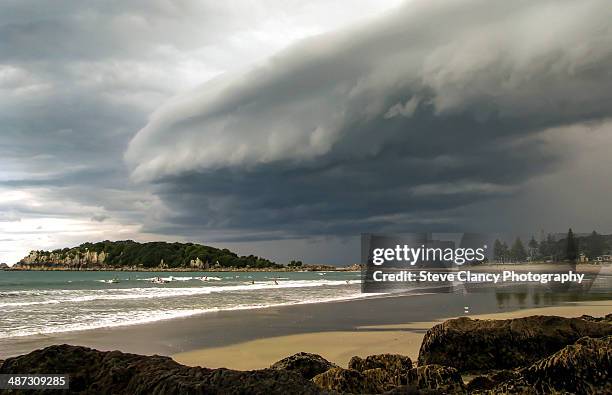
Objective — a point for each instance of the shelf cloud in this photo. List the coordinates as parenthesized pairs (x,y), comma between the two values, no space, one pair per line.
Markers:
(426,109)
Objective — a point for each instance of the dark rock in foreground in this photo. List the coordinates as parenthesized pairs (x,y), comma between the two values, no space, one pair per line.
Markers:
(396,366)
(371,375)
(480,383)
(487,382)
(97,372)
(582,368)
(430,379)
(437,377)
(410,390)
(306,364)
(370,381)
(607,318)
(477,345)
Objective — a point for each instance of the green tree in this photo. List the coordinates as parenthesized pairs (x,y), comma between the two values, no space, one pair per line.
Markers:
(505,252)
(498,251)
(571,247)
(548,248)
(294,263)
(518,252)
(533,248)
(595,245)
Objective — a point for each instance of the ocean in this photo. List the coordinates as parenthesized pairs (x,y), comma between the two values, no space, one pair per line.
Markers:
(44,302)
(47,302)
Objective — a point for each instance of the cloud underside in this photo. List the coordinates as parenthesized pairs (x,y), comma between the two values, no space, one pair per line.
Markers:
(391,125)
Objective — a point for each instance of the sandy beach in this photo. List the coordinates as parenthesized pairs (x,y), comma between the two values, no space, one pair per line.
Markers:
(340,346)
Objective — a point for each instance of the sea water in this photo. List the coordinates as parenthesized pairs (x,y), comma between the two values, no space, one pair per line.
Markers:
(42,302)
(45,302)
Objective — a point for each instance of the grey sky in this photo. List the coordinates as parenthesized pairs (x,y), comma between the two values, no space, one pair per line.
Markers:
(288,128)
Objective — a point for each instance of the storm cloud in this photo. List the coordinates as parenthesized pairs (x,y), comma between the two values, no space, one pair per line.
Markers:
(408,122)
(287,128)
(78,80)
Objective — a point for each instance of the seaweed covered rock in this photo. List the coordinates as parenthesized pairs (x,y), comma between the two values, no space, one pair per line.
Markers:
(114,372)
(582,368)
(379,379)
(411,390)
(478,345)
(517,386)
(306,364)
(607,318)
(436,377)
(370,381)
(491,380)
(480,383)
(396,366)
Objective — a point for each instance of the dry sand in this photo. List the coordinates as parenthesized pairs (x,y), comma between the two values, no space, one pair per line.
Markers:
(340,346)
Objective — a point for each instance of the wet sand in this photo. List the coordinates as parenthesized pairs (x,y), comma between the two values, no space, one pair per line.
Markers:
(340,346)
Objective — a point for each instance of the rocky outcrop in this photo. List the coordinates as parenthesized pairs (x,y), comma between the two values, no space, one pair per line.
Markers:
(476,345)
(410,390)
(370,381)
(518,386)
(582,368)
(198,264)
(345,381)
(480,383)
(490,381)
(579,368)
(429,379)
(64,259)
(306,364)
(396,366)
(132,255)
(380,379)
(436,377)
(373,374)
(607,318)
(318,268)
(97,372)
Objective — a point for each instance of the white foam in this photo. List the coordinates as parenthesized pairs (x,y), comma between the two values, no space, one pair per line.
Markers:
(144,316)
(76,296)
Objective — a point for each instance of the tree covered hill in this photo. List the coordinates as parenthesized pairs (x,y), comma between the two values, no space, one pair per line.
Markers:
(129,253)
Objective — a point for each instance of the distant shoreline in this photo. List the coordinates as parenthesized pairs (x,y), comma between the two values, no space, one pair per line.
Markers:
(183,270)
(306,268)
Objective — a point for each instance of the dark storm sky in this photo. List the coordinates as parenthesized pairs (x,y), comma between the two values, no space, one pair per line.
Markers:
(287,129)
